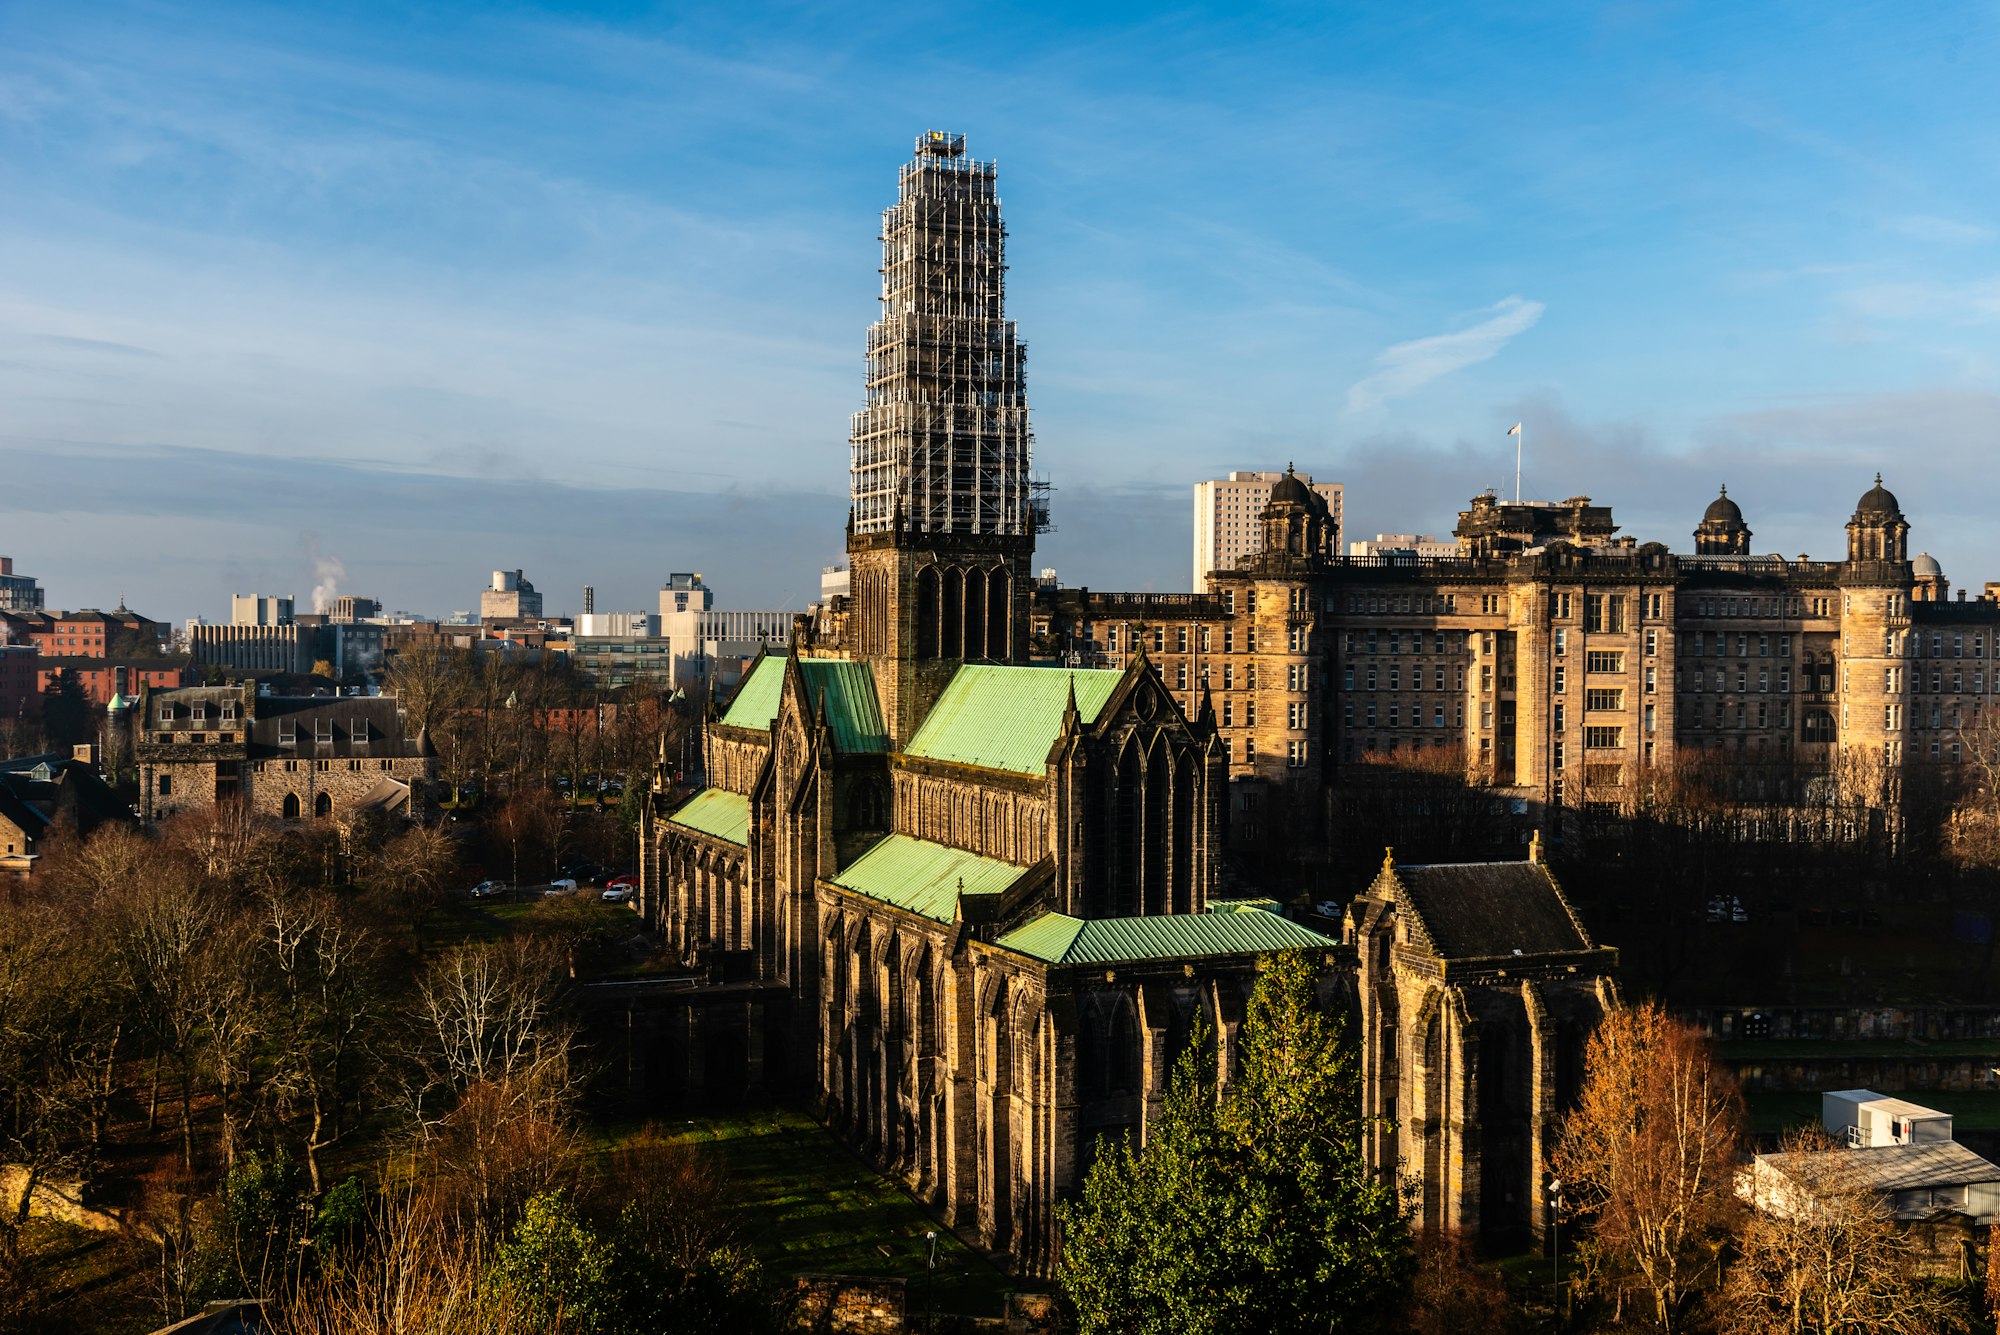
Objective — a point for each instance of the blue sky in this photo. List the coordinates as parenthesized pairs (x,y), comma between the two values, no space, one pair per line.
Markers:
(421,291)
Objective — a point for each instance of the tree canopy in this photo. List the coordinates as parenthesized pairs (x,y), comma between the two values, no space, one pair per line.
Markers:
(1247,1209)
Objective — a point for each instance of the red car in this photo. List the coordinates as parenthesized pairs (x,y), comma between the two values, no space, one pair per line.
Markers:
(625,882)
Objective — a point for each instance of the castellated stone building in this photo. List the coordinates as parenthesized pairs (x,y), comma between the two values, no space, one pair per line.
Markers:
(980,893)
(286,757)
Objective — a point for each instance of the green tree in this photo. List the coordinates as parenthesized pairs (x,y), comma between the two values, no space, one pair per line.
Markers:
(1253,1210)
(558,1271)
(68,718)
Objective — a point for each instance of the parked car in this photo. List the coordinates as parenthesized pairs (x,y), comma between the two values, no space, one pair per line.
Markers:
(626,882)
(562,885)
(616,894)
(489,889)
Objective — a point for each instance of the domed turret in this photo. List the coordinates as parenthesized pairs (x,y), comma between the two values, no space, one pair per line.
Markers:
(1290,491)
(1879,500)
(1928,582)
(1878,531)
(1296,520)
(1722,531)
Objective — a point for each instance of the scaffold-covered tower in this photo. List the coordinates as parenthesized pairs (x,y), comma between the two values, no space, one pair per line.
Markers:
(945,512)
(945,435)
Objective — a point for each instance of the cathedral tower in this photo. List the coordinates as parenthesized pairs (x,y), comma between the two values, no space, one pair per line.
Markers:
(944,518)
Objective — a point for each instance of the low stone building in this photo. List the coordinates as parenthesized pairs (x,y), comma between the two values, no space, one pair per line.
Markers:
(286,757)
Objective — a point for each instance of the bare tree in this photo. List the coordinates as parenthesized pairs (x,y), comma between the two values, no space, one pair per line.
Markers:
(1822,1255)
(59,1033)
(490,1015)
(413,1274)
(429,681)
(230,1003)
(324,1001)
(1975,824)
(411,874)
(1647,1154)
(161,931)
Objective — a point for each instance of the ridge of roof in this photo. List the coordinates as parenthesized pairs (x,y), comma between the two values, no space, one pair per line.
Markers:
(1006,717)
(1057,938)
(755,703)
(1475,910)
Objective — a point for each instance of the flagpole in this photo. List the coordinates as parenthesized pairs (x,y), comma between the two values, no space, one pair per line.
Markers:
(1519,435)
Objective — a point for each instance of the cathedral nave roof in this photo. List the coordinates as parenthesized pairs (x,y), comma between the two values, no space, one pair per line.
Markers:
(925,878)
(1057,938)
(1007,718)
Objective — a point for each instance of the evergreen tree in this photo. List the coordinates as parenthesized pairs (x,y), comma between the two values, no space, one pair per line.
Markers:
(1252,1211)
(67,717)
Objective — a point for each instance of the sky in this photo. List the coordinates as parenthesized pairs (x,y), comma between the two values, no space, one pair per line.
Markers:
(378,298)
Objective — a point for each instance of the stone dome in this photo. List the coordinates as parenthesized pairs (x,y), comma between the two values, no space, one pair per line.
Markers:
(1879,500)
(1722,510)
(1926,566)
(1290,491)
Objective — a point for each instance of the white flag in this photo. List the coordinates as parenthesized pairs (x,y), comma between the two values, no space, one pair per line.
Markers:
(1514,430)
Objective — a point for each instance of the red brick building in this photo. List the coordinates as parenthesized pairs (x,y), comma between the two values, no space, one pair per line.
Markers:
(20,680)
(103,678)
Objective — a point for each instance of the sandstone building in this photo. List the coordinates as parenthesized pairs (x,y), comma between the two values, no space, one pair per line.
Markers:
(1565,663)
(286,757)
(1480,987)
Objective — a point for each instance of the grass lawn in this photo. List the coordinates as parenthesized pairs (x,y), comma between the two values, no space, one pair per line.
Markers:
(1975,1111)
(808,1205)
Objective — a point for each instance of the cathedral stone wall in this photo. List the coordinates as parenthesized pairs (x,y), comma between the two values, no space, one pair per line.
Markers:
(995,818)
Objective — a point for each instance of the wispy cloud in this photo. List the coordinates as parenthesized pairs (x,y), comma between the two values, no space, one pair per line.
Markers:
(1935,302)
(1408,366)
(1942,231)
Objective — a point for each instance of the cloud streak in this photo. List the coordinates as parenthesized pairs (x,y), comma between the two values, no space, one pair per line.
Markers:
(1405,367)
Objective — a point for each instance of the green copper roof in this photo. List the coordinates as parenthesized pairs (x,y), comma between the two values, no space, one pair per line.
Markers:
(716,811)
(1057,938)
(756,702)
(848,690)
(924,877)
(1008,717)
(1244,906)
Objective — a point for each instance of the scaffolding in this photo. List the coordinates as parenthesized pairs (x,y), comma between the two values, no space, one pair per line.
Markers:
(943,445)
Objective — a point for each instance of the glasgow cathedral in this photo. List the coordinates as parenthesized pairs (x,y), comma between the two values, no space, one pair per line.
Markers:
(988,842)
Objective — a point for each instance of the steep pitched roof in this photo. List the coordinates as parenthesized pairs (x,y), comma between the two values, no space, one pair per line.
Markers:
(756,700)
(1057,938)
(846,691)
(925,878)
(1007,718)
(716,811)
(1472,910)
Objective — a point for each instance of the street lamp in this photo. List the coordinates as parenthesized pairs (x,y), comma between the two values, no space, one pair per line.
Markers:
(930,1279)
(1555,1236)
